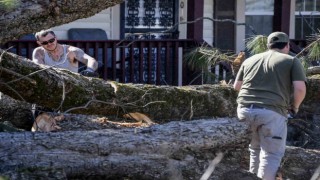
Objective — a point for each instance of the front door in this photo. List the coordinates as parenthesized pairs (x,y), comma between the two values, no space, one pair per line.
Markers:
(152,20)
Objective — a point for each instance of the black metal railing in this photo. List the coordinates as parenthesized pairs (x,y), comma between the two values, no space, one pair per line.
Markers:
(156,62)
(137,61)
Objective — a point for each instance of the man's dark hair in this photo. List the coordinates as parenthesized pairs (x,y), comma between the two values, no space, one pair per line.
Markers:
(43,33)
(279,45)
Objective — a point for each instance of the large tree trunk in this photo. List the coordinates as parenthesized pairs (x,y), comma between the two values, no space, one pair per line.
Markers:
(26,16)
(175,149)
(148,153)
(69,92)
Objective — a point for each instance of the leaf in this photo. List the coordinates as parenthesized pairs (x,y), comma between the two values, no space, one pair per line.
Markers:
(7,5)
(256,44)
(201,58)
(314,47)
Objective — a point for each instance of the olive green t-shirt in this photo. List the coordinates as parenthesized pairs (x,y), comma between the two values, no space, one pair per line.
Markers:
(267,80)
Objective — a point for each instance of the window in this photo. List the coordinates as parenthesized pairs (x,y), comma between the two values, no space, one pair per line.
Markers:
(149,16)
(259,6)
(307,5)
(307,17)
(259,15)
(149,19)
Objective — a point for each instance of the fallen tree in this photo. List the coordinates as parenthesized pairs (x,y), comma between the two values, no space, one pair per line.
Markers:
(147,153)
(113,99)
(176,149)
(25,16)
(68,92)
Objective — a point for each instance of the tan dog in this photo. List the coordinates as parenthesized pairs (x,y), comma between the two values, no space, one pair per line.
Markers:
(46,123)
(139,117)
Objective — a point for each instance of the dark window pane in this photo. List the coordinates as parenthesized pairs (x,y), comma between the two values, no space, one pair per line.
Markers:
(309,5)
(261,24)
(299,5)
(298,30)
(306,26)
(318,6)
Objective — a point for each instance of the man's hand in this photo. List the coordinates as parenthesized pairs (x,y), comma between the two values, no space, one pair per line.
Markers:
(89,73)
(292,112)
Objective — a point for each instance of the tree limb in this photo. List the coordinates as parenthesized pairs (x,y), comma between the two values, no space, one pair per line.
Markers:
(71,92)
(28,16)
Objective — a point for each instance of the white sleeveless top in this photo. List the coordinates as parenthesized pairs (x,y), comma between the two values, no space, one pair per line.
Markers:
(63,62)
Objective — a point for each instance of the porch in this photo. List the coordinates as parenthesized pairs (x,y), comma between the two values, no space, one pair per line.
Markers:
(158,62)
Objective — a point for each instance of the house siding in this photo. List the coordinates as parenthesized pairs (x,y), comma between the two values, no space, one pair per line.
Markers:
(108,20)
(207,24)
(101,20)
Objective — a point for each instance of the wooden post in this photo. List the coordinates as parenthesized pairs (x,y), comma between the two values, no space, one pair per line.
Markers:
(195,10)
(281,18)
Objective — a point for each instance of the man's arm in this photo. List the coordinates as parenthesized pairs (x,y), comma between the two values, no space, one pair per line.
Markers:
(91,62)
(299,92)
(38,56)
(239,79)
(237,85)
(81,56)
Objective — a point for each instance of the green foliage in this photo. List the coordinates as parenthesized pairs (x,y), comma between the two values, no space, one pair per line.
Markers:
(256,44)
(4,178)
(201,58)
(305,62)
(314,47)
(7,5)
(204,58)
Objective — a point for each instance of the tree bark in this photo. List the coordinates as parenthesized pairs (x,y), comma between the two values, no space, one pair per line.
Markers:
(313,70)
(176,149)
(149,153)
(300,163)
(69,92)
(26,16)
(15,113)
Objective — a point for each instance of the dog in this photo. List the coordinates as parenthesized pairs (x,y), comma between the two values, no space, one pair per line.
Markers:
(46,123)
(139,117)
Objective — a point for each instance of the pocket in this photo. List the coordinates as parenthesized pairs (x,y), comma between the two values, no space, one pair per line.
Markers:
(271,143)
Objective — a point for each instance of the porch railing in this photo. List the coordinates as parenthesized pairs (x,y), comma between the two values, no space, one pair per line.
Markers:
(158,62)
(141,61)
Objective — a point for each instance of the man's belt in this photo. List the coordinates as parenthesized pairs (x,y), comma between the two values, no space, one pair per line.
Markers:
(252,106)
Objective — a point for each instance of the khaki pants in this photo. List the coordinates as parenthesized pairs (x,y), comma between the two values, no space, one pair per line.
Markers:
(267,146)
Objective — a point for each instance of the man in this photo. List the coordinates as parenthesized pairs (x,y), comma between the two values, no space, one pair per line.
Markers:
(265,83)
(58,55)
(51,53)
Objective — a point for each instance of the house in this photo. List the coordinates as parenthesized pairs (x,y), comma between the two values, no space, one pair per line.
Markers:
(143,41)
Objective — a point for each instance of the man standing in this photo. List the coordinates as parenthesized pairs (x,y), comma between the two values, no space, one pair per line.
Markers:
(58,55)
(270,84)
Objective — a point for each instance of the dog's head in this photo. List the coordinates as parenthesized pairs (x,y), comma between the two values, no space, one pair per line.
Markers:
(46,123)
